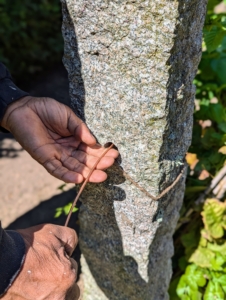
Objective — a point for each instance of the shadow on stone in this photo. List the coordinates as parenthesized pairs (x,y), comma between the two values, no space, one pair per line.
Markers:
(78,90)
(100,237)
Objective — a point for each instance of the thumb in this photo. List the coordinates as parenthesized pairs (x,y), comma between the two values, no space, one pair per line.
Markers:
(79,130)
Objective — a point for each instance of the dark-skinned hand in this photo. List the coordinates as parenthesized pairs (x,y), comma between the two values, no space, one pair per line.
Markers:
(48,272)
(54,136)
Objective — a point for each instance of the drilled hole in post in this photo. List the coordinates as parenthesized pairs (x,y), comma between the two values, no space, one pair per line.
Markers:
(108,144)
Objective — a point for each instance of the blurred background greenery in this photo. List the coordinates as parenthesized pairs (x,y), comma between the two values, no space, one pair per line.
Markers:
(31,41)
(199,263)
(30,35)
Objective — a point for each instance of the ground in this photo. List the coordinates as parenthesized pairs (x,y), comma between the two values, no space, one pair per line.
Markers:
(29,195)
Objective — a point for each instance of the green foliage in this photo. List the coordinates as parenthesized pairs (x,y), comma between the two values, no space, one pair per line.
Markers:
(200,246)
(188,286)
(30,34)
(205,276)
(65,209)
(214,218)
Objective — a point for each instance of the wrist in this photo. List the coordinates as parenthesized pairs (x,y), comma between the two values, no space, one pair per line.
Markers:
(11,108)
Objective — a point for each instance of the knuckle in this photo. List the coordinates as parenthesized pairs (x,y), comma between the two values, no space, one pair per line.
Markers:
(70,274)
(49,227)
(71,232)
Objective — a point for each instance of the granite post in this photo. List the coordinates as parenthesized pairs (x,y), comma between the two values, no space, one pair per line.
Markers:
(131,65)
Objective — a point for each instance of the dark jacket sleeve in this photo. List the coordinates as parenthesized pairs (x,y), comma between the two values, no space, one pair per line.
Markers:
(12,247)
(12,254)
(9,92)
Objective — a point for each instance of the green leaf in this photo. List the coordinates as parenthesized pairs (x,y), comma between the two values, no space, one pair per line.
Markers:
(185,297)
(203,241)
(75,209)
(202,113)
(213,38)
(217,262)
(189,282)
(195,273)
(222,47)
(207,74)
(212,3)
(190,241)
(172,289)
(214,291)
(222,126)
(216,112)
(202,257)
(215,158)
(58,212)
(217,137)
(212,138)
(206,235)
(183,263)
(65,210)
(213,217)
(222,280)
(219,66)
(201,281)
(196,295)
(183,288)
(217,248)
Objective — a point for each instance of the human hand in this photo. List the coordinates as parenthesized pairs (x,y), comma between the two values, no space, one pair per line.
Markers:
(54,136)
(48,272)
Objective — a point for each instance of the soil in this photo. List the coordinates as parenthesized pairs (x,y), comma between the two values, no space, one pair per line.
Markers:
(29,194)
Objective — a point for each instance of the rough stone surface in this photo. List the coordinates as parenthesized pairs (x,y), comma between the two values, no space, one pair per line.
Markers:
(131,65)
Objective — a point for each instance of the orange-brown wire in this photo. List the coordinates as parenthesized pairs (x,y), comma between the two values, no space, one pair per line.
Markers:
(126,176)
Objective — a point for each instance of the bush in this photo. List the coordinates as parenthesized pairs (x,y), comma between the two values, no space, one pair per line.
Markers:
(200,245)
(30,35)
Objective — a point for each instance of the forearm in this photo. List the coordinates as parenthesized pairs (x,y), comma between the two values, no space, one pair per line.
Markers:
(12,254)
(9,92)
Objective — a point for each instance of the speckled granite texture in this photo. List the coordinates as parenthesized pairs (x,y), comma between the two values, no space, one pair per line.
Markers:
(131,65)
